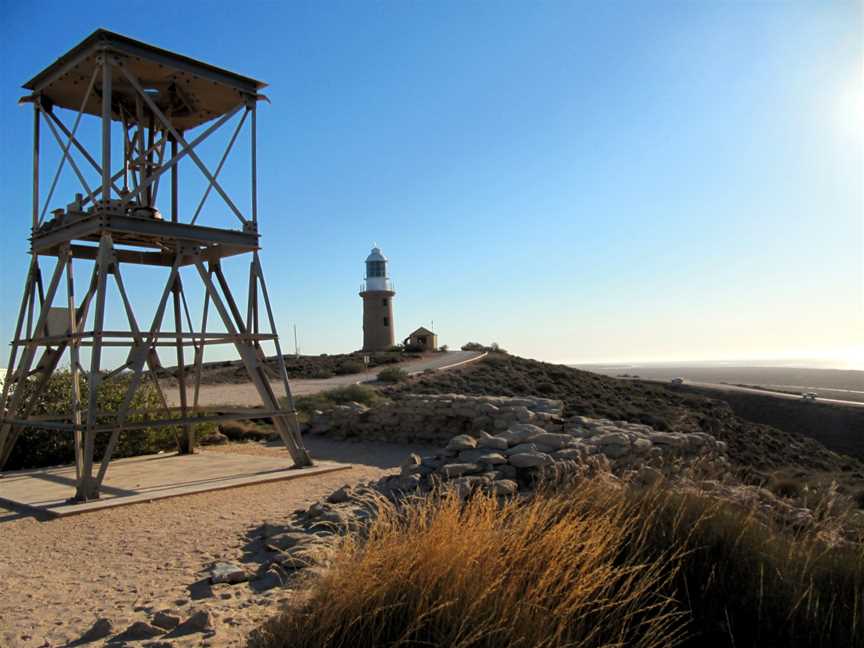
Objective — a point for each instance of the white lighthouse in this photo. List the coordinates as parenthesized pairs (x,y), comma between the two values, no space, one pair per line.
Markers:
(377,297)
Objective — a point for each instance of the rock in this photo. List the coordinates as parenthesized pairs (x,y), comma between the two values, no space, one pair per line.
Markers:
(552,440)
(222,572)
(330,519)
(214,438)
(523,414)
(492,459)
(570,454)
(341,495)
(505,487)
(525,431)
(493,442)
(430,462)
(290,539)
(139,631)
(413,459)
(464,486)
(462,442)
(458,469)
(268,580)
(510,438)
(198,622)
(668,439)
(521,447)
(482,455)
(488,409)
(642,446)
(165,620)
(506,471)
(305,556)
(408,482)
(530,459)
(615,451)
(99,630)
(613,439)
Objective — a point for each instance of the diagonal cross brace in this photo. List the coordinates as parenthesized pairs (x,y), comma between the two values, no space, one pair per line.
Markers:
(180,140)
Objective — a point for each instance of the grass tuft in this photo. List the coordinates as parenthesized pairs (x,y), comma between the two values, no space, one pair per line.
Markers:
(596,565)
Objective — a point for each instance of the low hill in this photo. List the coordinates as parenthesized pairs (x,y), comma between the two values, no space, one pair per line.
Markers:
(754,447)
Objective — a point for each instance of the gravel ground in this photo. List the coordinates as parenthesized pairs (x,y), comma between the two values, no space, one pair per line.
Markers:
(123,564)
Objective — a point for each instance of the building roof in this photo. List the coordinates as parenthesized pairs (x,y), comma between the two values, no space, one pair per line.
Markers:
(375,255)
(422,331)
(193,92)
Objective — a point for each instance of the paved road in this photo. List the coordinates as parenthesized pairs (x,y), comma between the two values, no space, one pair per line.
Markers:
(245,395)
(762,392)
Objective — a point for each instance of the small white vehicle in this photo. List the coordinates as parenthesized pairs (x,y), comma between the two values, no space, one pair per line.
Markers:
(677,381)
(809,396)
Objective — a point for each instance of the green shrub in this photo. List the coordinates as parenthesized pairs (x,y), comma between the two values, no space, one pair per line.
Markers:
(392,375)
(350,367)
(353,393)
(245,431)
(321,374)
(38,447)
(363,394)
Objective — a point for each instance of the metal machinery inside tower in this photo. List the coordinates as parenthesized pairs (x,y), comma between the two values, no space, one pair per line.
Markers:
(164,105)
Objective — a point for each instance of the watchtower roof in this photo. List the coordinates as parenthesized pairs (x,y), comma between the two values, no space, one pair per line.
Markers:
(191,92)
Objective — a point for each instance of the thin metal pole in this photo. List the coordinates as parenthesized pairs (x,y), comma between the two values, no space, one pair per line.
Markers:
(286,423)
(141,354)
(16,341)
(54,118)
(86,487)
(148,160)
(199,358)
(174,180)
(296,348)
(27,359)
(35,166)
(74,342)
(181,366)
(254,163)
(106,131)
(66,153)
(170,127)
(219,167)
(187,150)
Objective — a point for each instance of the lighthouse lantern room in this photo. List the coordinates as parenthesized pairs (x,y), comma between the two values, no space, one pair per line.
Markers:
(377,294)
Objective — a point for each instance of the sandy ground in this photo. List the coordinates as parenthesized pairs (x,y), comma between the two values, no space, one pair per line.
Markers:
(57,577)
(245,394)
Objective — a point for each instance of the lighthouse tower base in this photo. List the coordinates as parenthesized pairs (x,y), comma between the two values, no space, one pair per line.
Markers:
(378,320)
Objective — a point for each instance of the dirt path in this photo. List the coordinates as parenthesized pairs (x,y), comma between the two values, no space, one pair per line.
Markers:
(59,576)
(245,394)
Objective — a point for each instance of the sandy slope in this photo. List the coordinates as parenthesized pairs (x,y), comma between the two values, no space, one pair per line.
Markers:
(59,576)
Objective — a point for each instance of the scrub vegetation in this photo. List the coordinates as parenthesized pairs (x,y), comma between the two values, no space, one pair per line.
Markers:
(600,564)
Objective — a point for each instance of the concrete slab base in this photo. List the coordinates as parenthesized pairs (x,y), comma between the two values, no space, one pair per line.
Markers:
(46,491)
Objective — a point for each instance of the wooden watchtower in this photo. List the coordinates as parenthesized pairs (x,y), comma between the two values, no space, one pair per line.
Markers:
(162,106)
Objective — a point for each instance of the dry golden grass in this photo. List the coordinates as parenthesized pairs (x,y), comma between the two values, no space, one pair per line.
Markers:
(594,564)
(554,572)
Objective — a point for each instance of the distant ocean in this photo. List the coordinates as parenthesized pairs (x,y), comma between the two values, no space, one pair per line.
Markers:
(842,384)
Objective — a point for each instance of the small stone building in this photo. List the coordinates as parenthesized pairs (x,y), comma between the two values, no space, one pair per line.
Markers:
(422,340)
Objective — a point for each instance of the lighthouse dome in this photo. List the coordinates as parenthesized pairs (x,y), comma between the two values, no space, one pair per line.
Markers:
(375,255)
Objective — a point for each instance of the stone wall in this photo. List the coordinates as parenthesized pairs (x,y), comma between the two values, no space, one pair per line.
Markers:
(433,419)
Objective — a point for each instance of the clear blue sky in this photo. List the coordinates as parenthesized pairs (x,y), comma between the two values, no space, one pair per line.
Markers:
(576,180)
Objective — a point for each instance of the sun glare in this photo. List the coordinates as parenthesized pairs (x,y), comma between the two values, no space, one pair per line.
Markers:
(848,108)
